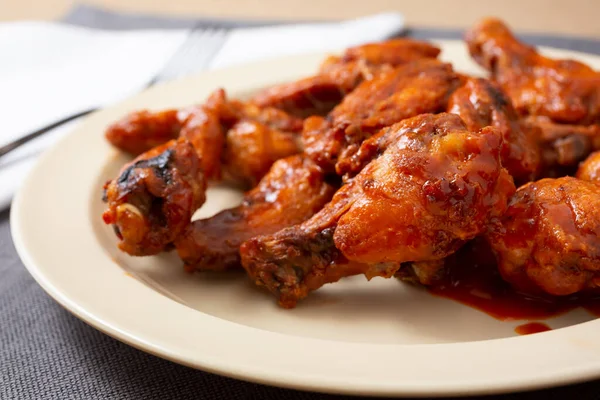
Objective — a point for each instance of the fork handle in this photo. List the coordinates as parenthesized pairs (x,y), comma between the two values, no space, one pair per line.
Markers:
(30,136)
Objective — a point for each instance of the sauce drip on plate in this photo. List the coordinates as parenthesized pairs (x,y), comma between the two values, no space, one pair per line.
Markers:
(474,280)
(532,327)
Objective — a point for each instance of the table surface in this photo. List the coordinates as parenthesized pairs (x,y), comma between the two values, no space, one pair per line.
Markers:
(572,17)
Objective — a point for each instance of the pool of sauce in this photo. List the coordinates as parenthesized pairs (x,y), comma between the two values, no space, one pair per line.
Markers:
(473,279)
(532,327)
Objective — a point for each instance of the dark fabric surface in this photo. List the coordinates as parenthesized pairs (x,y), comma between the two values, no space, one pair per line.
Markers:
(46,353)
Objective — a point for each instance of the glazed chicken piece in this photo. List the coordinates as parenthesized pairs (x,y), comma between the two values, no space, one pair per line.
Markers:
(393,52)
(316,95)
(227,134)
(481,103)
(566,91)
(589,170)
(271,117)
(148,206)
(251,148)
(292,191)
(430,188)
(338,76)
(142,130)
(548,241)
(203,129)
(415,88)
(154,197)
(562,146)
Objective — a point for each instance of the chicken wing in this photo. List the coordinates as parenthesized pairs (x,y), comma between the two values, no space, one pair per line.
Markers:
(203,129)
(393,52)
(562,146)
(317,95)
(589,170)
(481,103)
(434,187)
(231,136)
(292,191)
(548,241)
(273,118)
(154,197)
(566,91)
(415,88)
(142,130)
(217,129)
(251,148)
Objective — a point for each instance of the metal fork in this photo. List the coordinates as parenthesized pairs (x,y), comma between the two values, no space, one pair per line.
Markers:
(193,55)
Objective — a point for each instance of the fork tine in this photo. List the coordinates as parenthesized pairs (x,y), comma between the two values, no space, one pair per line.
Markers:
(194,54)
(204,55)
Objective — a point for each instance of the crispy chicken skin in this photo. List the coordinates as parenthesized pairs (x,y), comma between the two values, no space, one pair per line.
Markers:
(292,191)
(548,241)
(203,129)
(227,134)
(252,147)
(481,103)
(393,52)
(566,91)
(589,170)
(142,130)
(272,117)
(562,146)
(317,95)
(154,198)
(432,187)
(419,87)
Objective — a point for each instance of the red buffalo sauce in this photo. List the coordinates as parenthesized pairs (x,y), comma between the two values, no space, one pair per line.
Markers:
(473,279)
(532,327)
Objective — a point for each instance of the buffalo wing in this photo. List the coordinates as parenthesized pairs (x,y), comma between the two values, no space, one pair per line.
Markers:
(338,76)
(481,103)
(566,91)
(434,186)
(548,241)
(396,94)
(292,191)
(154,197)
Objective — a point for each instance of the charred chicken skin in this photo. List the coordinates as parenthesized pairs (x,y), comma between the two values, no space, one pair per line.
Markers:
(396,94)
(291,192)
(338,76)
(431,186)
(548,241)
(154,197)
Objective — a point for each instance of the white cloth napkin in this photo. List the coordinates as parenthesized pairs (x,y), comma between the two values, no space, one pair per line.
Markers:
(52,70)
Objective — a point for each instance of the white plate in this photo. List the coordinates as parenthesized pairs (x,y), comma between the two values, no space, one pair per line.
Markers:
(358,337)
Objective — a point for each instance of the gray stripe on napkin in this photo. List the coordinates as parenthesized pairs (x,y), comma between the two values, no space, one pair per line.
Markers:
(93,17)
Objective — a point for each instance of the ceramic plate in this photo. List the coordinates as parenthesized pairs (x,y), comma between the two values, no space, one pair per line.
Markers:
(357,337)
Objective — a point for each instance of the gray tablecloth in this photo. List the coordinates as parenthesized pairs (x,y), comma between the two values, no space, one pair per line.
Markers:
(46,353)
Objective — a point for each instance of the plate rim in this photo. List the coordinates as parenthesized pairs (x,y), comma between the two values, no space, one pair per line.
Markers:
(346,384)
